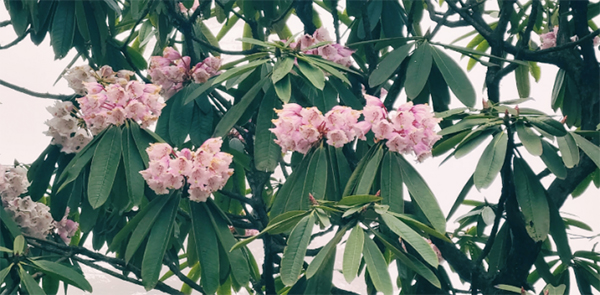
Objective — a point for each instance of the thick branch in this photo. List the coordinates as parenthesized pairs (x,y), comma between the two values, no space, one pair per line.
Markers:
(62,97)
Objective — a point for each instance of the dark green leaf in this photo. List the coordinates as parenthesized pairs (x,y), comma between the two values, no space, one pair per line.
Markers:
(531,196)
(491,161)
(422,195)
(568,150)
(391,183)
(133,164)
(104,167)
(389,64)
(158,242)
(315,182)
(283,88)
(455,77)
(352,253)
(553,161)
(461,197)
(30,284)
(282,68)
(237,71)
(369,173)
(207,246)
(143,223)
(63,28)
(559,234)
(312,73)
(235,113)
(411,237)
(522,78)
(356,200)
(590,149)
(266,151)
(549,125)
(293,255)
(418,70)
(377,266)
(530,140)
(66,274)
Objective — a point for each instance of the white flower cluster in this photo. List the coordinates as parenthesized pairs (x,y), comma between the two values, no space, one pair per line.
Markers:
(65,128)
(76,76)
(13,182)
(33,218)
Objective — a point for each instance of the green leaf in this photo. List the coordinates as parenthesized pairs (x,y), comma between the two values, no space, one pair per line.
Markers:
(352,253)
(461,197)
(553,161)
(158,242)
(413,223)
(41,172)
(63,29)
(391,183)
(530,140)
(236,71)
(410,261)
(317,263)
(293,255)
(558,91)
(5,272)
(282,68)
(66,274)
(590,149)
(559,234)
(388,65)
(19,245)
(29,282)
(455,77)
(266,151)
(568,150)
(357,200)
(312,73)
(287,198)
(531,197)
(104,167)
(412,238)
(143,223)
(346,95)
(369,173)
(180,116)
(315,182)
(522,78)
(549,125)
(235,113)
(422,195)
(491,161)
(377,266)
(418,70)
(283,88)
(133,164)
(466,124)
(207,246)
(81,159)
(237,260)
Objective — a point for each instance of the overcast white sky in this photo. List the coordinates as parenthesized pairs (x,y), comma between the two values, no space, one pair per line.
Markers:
(22,123)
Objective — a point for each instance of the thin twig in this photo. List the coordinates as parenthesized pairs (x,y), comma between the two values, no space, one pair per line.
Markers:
(16,41)
(181,276)
(62,97)
(5,23)
(236,196)
(223,51)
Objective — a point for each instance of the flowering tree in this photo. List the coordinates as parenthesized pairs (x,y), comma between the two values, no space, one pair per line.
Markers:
(183,161)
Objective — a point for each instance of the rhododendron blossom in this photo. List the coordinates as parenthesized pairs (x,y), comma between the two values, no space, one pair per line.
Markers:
(64,128)
(205,170)
(410,129)
(32,217)
(333,51)
(77,76)
(549,39)
(172,71)
(66,228)
(298,129)
(13,182)
(115,103)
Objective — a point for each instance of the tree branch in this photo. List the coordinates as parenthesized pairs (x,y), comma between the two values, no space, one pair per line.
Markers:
(16,41)
(230,52)
(5,23)
(181,276)
(62,97)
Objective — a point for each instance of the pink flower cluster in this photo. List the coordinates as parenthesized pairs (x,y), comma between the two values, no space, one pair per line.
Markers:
(333,51)
(114,103)
(13,182)
(66,228)
(172,71)
(64,128)
(549,39)
(77,76)
(205,170)
(410,129)
(297,128)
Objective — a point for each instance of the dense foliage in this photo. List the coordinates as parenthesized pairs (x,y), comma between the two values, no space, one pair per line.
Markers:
(296,137)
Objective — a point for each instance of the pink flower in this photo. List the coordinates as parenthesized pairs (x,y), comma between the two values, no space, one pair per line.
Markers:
(549,39)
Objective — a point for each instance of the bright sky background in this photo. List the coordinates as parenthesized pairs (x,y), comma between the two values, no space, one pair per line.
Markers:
(22,123)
